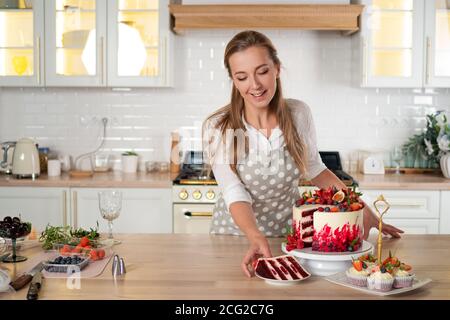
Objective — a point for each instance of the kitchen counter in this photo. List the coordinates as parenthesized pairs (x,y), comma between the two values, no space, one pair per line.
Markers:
(164,180)
(114,179)
(403,181)
(208,267)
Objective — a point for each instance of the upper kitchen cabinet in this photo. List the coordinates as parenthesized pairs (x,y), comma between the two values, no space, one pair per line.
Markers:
(21,43)
(437,42)
(390,44)
(403,43)
(139,43)
(107,43)
(75,48)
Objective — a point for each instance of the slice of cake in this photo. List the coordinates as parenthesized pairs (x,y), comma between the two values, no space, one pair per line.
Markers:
(280,268)
(328,220)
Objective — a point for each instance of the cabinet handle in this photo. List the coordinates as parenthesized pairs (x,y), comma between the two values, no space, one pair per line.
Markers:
(164,61)
(75,209)
(428,61)
(364,63)
(197,214)
(65,208)
(102,62)
(38,59)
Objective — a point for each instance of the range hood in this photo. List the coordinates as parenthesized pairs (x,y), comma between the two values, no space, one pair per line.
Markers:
(267,16)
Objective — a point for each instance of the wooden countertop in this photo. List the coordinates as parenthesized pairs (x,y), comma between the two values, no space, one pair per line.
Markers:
(114,179)
(164,180)
(403,181)
(172,266)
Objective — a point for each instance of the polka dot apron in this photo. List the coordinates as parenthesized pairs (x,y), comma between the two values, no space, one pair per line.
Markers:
(272,182)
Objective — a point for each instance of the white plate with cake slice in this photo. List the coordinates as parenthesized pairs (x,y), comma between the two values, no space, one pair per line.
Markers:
(341,279)
(281,270)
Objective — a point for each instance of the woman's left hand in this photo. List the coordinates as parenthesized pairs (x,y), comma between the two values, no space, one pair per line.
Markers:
(371,221)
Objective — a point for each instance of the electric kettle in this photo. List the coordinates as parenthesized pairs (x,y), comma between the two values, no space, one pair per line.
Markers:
(25,162)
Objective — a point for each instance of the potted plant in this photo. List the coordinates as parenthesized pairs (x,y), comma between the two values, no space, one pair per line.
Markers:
(129,162)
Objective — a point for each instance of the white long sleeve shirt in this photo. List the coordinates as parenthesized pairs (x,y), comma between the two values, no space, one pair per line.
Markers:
(233,189)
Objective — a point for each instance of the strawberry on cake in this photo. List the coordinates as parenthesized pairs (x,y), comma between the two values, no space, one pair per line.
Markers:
(328,220)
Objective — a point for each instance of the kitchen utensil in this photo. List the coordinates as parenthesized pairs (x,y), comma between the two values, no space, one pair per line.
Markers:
(81,174)
(7,152)
(35,286)
(110,204)
(24,279)
(26,159)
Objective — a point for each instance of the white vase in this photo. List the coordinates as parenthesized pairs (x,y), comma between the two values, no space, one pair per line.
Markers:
(445,165)
(129,164)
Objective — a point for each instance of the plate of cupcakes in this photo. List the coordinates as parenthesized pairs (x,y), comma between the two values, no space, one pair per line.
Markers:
(389,277)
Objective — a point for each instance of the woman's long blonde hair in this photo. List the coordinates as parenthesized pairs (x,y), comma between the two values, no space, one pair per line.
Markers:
(230,116)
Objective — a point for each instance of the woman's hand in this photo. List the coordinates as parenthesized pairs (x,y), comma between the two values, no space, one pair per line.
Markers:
(259,247)
(371,221)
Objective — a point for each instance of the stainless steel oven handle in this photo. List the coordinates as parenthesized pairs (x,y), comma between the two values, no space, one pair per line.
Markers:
(191,214)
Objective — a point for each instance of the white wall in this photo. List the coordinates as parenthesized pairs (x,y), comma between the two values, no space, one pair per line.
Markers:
(317,69)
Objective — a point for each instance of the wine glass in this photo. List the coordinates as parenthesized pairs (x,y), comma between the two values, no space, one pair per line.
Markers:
(396,157)
(110,204)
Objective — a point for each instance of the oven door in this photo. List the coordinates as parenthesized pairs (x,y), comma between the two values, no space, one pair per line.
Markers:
(192,217)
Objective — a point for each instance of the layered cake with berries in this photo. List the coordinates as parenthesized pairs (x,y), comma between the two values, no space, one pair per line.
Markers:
(280,268)
(328,220)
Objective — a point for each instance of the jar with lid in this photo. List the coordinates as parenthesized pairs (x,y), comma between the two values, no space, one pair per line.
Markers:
(43,158)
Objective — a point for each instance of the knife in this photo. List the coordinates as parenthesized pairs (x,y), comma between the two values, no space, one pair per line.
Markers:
(35,286)
(24,279)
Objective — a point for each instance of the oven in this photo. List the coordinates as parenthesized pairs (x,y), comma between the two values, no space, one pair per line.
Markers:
(194,194)
(192,207)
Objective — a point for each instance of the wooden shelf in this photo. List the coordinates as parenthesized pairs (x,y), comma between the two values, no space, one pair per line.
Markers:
(299,16)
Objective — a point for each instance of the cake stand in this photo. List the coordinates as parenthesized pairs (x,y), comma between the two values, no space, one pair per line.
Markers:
(327,263)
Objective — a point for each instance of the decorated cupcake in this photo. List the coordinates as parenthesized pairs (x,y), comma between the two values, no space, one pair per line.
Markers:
(369,260)
(380,280)
(403,277)
(358,273)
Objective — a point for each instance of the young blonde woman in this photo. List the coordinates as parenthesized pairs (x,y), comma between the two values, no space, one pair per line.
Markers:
(259,146)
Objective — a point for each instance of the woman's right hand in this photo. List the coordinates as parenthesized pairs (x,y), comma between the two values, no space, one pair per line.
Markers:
(259,247)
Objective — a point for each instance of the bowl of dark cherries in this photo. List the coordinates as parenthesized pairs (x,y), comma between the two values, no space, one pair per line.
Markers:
(14,228)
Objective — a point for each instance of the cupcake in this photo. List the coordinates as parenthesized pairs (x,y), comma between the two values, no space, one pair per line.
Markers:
(357,274)
(381,281)
(369,260)
(402,277)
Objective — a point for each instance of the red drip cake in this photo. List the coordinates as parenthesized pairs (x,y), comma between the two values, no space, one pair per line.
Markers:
(280,268)
(327,220)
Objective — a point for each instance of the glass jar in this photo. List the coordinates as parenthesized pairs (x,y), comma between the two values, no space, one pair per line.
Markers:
(43,159)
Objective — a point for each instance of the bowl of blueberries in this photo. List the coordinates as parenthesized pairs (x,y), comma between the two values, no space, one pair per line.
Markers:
(66,264)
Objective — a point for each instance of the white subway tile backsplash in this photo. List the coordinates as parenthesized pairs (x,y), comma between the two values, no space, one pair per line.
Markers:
(317,69)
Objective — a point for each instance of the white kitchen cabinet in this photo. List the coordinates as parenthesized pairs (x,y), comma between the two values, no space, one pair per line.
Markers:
(108,43)
(437,43)
(139,43)
(403,43)
(40,206)
(75,49)
(444,221)
(22,45)
(143,210)
(414,211)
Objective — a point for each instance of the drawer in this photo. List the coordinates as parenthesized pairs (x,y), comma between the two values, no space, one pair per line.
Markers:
(413,226)
(415,204)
